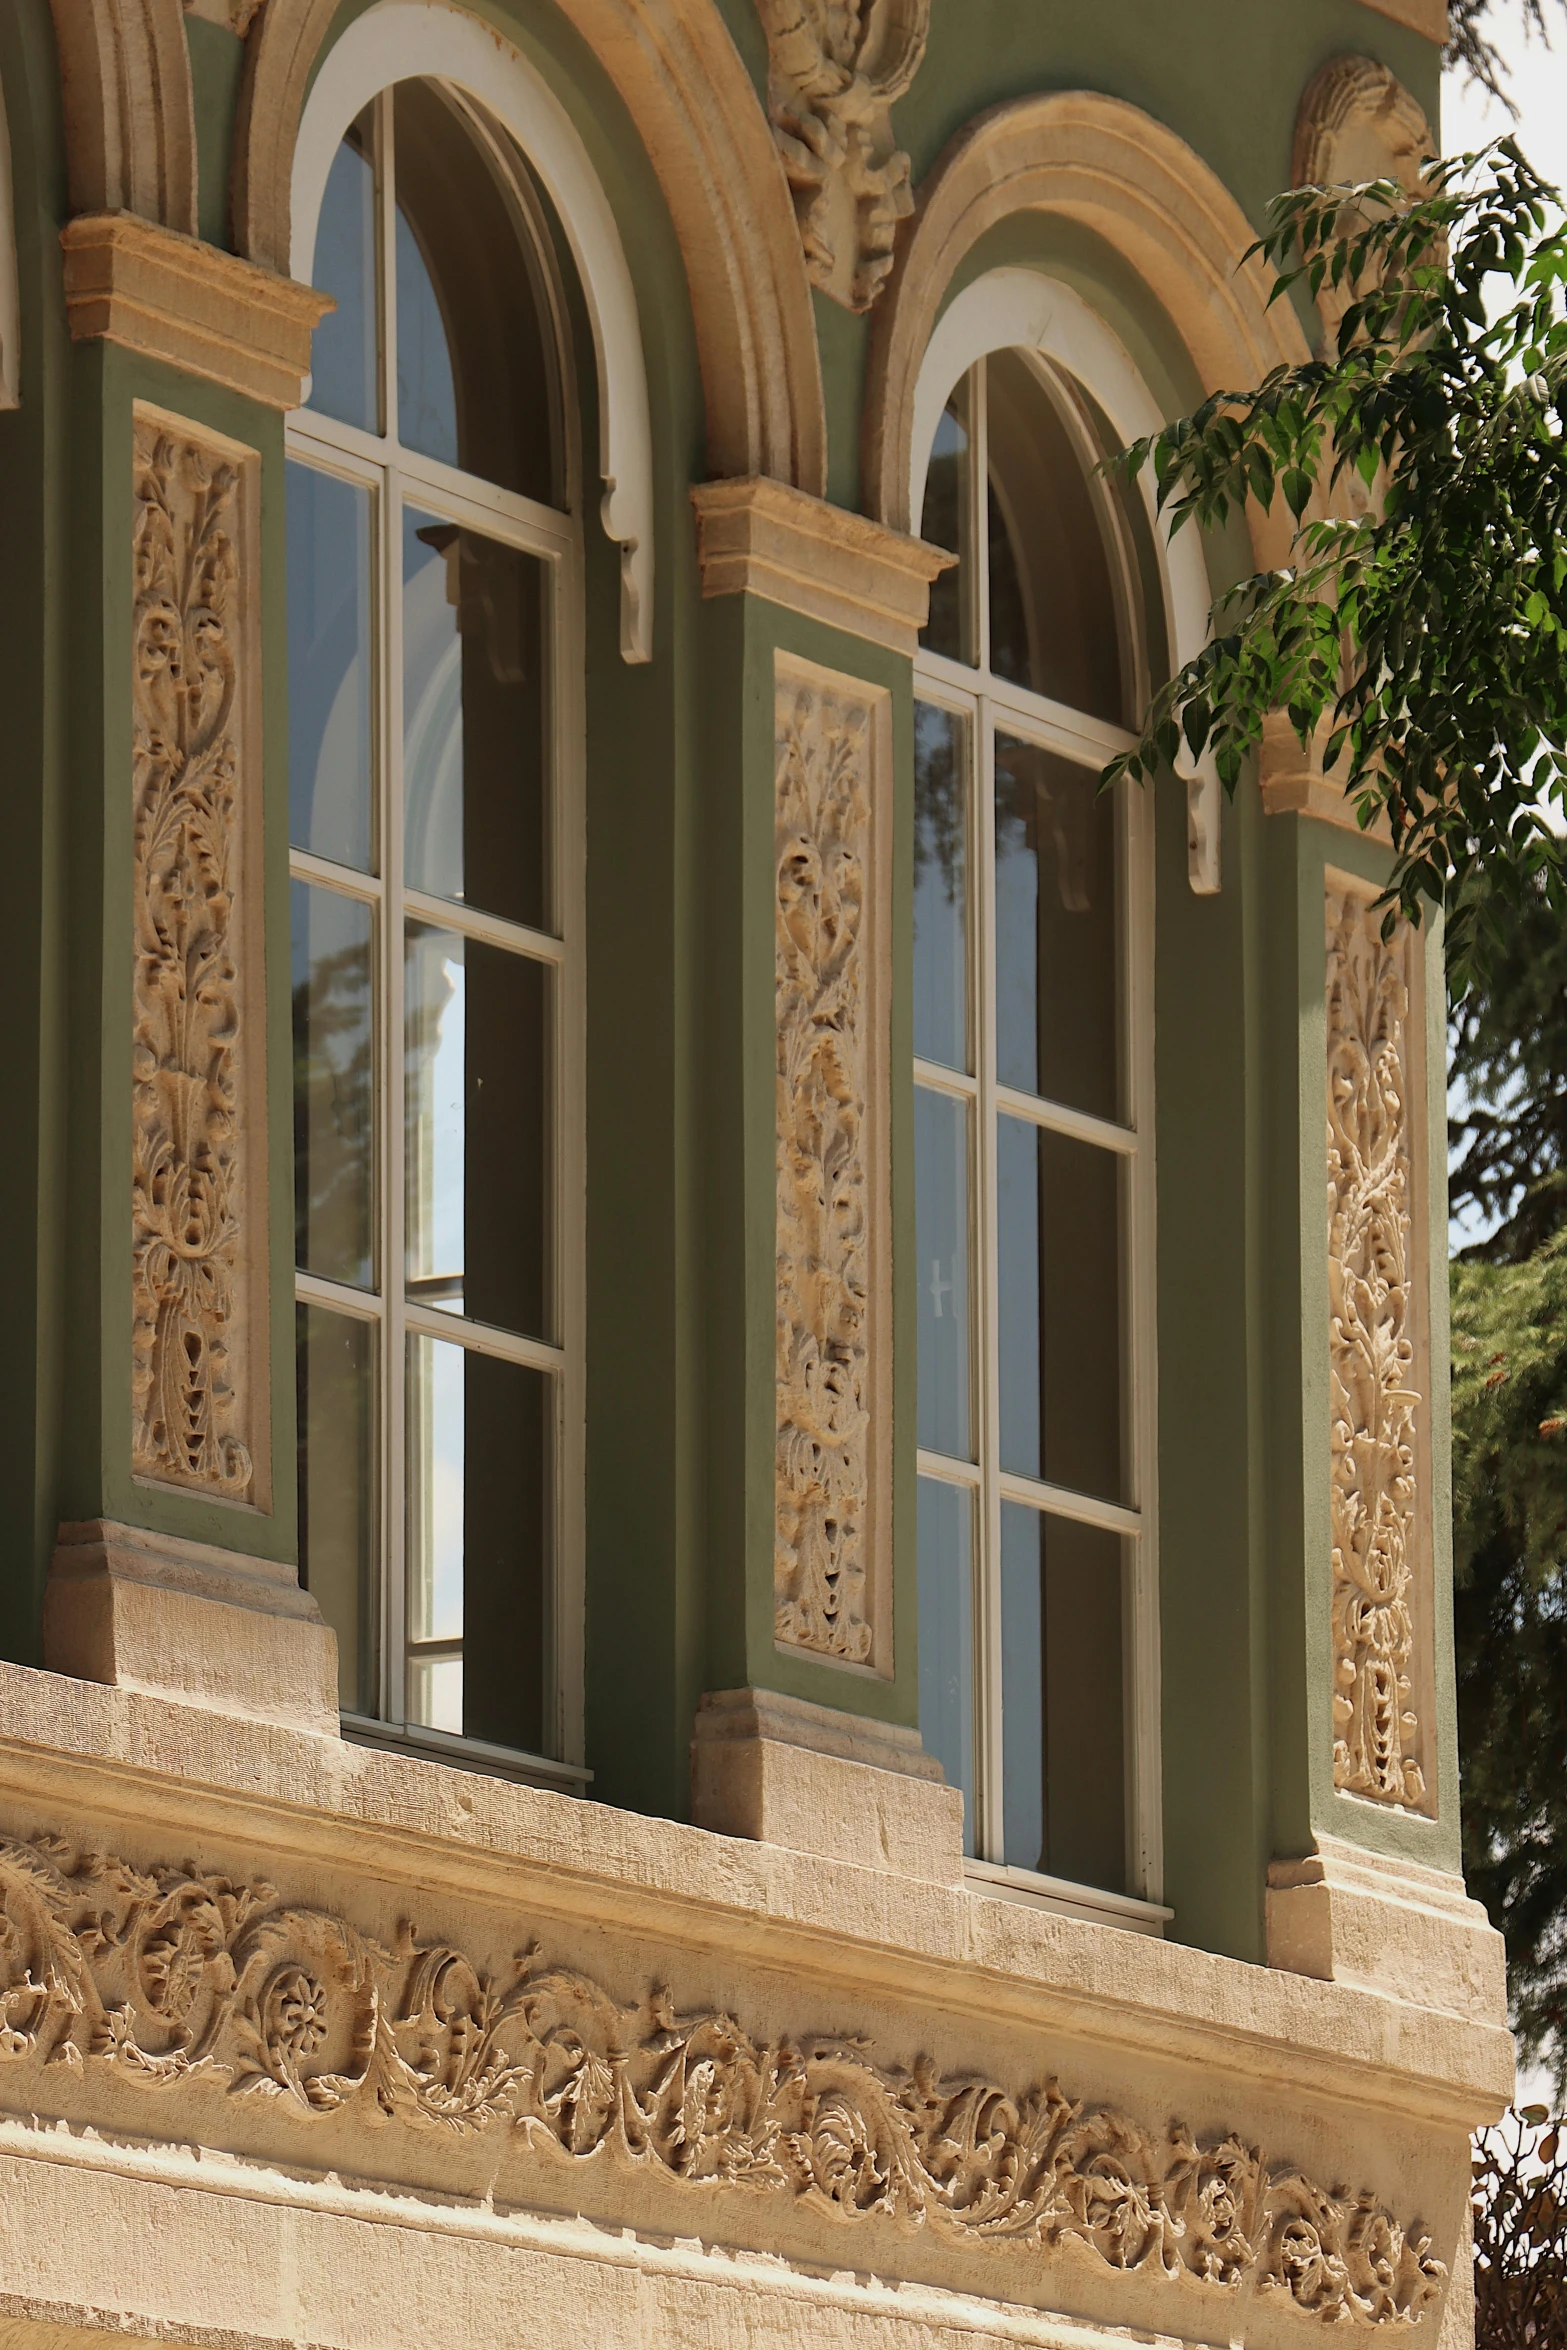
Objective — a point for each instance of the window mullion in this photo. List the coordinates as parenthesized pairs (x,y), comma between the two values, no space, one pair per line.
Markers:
(989,1834)
(386,257)
(394,1368)
(979,515)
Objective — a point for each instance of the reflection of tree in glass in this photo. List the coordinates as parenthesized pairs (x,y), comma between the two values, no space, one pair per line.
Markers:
(332,1095)
(938,796)
(1040,800)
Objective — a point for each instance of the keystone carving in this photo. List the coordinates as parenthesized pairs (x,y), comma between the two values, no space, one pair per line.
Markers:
(827,1464)
(836,68)
(1374,1400)
(188,1182)
(166,1976)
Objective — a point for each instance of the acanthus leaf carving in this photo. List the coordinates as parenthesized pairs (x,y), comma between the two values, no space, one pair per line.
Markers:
(1375,1402)
(188,1179)
(826,1455)
(837,66)
(172,1976)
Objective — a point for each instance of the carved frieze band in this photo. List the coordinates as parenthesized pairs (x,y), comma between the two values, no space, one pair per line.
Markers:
(1377,1381)
(836,70)
(199,1418)
(832,1499)
(164,1976)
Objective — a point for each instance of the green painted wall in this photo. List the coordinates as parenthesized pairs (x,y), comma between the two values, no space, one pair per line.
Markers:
(679,1099)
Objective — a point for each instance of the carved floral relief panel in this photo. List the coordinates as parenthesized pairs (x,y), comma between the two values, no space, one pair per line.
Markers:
(200,1410)
(833,1459)
(836,68)
(1379,1375)
(170,1981)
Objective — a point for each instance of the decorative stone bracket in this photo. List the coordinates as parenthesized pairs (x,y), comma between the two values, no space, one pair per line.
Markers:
(836,72)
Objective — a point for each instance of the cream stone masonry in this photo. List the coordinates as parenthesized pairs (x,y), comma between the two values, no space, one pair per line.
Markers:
(1347,1915)
(1380,1380)
(836,73)
(761,538)
(172,298)
(832,929)
(314,1985)
(781,1771)
(1357,122)
(199,1380)
(130,120)
(189,1622)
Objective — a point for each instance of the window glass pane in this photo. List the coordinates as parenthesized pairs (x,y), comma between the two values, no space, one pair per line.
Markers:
(335,1380)
(478,1141)
(1062,1704)
(329,668)
(940,886)
(474,359)
(342,349)
(1058,948)
(475,718)
(944,523)
(480,1477)
(1059,1244)
(332,942)
(941,1211)
(946,1636)
(1054,624)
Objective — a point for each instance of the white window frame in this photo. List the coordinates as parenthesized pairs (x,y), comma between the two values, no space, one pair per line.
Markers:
(392,475)
(1008,310)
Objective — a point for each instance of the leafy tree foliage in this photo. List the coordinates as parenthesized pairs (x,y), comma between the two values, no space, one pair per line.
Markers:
(1419,634)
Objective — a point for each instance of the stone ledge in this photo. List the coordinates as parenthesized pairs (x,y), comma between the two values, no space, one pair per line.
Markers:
(190,1777)
(762,538)
(1345,1915)
(781,1771)
(173,298)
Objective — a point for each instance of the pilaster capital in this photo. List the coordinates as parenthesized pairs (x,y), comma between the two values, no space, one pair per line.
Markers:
(171,297)
(759,537)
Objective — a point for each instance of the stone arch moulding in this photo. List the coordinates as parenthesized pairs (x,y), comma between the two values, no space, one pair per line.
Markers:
(130,122)
(399,39)
(10,294)
(1356,121)
(1013,309)
(1115,170)
(681,78)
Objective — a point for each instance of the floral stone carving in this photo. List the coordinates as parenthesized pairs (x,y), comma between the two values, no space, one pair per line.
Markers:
(164,1976)
(827,1460)
(1374,1400)
(837,67)
(188,1183)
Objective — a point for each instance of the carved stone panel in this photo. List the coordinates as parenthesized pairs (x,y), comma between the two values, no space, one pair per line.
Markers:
(837,66)
(158,1985)
(833,1500)
(1380,1388)
(200,1416)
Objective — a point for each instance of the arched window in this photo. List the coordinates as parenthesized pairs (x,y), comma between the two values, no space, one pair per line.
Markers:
(1033,1071)
(434,566)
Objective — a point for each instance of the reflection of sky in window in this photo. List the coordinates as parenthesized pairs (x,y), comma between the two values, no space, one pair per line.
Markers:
(442,1599)
(432,717)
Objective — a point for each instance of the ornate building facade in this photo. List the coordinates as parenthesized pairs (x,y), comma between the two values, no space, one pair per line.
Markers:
(724,1588)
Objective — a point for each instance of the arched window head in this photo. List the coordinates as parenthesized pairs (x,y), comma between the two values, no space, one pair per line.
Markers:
(1047,592)
(445,339)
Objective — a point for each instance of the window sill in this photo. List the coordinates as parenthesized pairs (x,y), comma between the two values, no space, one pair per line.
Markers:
(1068,1901)
(468,1754)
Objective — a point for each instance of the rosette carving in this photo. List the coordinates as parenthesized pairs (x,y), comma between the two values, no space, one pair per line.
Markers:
(1375,1402)
(837,67)
(826,1462)
(167,1976)
(188,1180)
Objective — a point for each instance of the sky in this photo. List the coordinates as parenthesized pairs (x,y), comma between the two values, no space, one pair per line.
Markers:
(1536,77)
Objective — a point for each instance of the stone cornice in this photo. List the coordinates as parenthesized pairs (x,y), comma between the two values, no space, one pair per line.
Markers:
(173,298)
(758,537)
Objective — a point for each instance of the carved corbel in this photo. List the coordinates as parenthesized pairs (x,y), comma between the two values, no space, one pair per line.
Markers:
(835,74)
